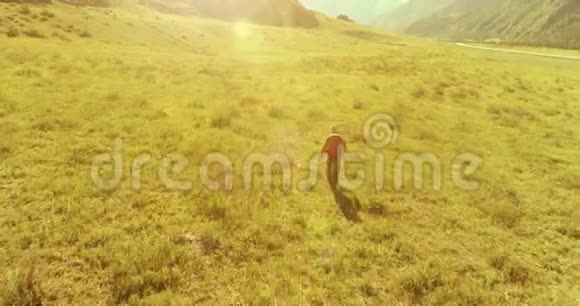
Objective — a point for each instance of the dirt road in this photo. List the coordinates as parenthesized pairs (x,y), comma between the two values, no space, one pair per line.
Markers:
(569,57)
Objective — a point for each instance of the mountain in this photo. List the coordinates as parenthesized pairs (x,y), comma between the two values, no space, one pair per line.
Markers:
(268,12)
(409,12)
(361,11)
(539,22)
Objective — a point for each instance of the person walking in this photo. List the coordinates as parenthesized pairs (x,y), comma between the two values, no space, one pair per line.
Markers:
(334,147)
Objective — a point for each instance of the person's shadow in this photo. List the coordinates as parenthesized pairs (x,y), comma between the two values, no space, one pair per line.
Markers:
(349,206)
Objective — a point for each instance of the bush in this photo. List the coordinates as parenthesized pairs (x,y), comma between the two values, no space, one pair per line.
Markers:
(344,18)
(146,270)
(419,92)
(28,72)
(250,101)
(97,3)
(34,34)
(316,114)
(377,209)
(570,181)
(113,96)
(358,105)
(85,34)
(221,120)
(421,282)
(47,14)
(276,112)
(24,11)
(209,243)
(12,32)
(22,288)
(514,271)
(62,37)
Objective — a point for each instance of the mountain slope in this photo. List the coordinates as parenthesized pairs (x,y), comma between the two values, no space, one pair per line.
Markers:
(545,22)
(410,12)
(267,12)
(361,11)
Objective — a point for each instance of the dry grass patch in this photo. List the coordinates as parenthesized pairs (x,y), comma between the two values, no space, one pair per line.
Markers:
(22,287)
(33,33)
(276,112)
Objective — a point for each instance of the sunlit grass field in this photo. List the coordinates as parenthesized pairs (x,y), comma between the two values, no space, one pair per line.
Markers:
(165,84)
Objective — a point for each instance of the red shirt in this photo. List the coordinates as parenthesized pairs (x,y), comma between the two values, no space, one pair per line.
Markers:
(334,145)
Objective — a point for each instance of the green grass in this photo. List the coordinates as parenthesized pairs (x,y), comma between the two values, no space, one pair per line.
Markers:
(239,89)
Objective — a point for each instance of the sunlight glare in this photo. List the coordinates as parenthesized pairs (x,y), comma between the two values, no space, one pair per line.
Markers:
(242,29)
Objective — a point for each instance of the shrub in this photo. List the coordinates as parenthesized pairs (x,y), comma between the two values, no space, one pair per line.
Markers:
(506,214)
(420,282)
(197,105)
(27,72)
(419,92)
(570,181)
(24,11)
(145,270)
(459,94)
(250,101)
(69,28)
(113,97)
(377,209)
(34,34)
(22,288)
(517,273)
(344,18)
(209,243)
(215,211)
(276,112)
(509,89)
(85,34)
(221,120)
(358,105)
(47,14)
(498,261)
(505,209)
(316,114)
(375,87)
(12,32)
(101,3)
(513,270)
(63,37)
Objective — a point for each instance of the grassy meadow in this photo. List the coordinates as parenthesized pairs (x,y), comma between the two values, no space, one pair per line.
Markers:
(73,80)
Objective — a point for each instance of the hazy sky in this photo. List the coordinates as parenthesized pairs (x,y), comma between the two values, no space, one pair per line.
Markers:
(362,11)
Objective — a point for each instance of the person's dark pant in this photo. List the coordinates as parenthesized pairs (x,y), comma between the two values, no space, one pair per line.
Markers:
(332,172)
